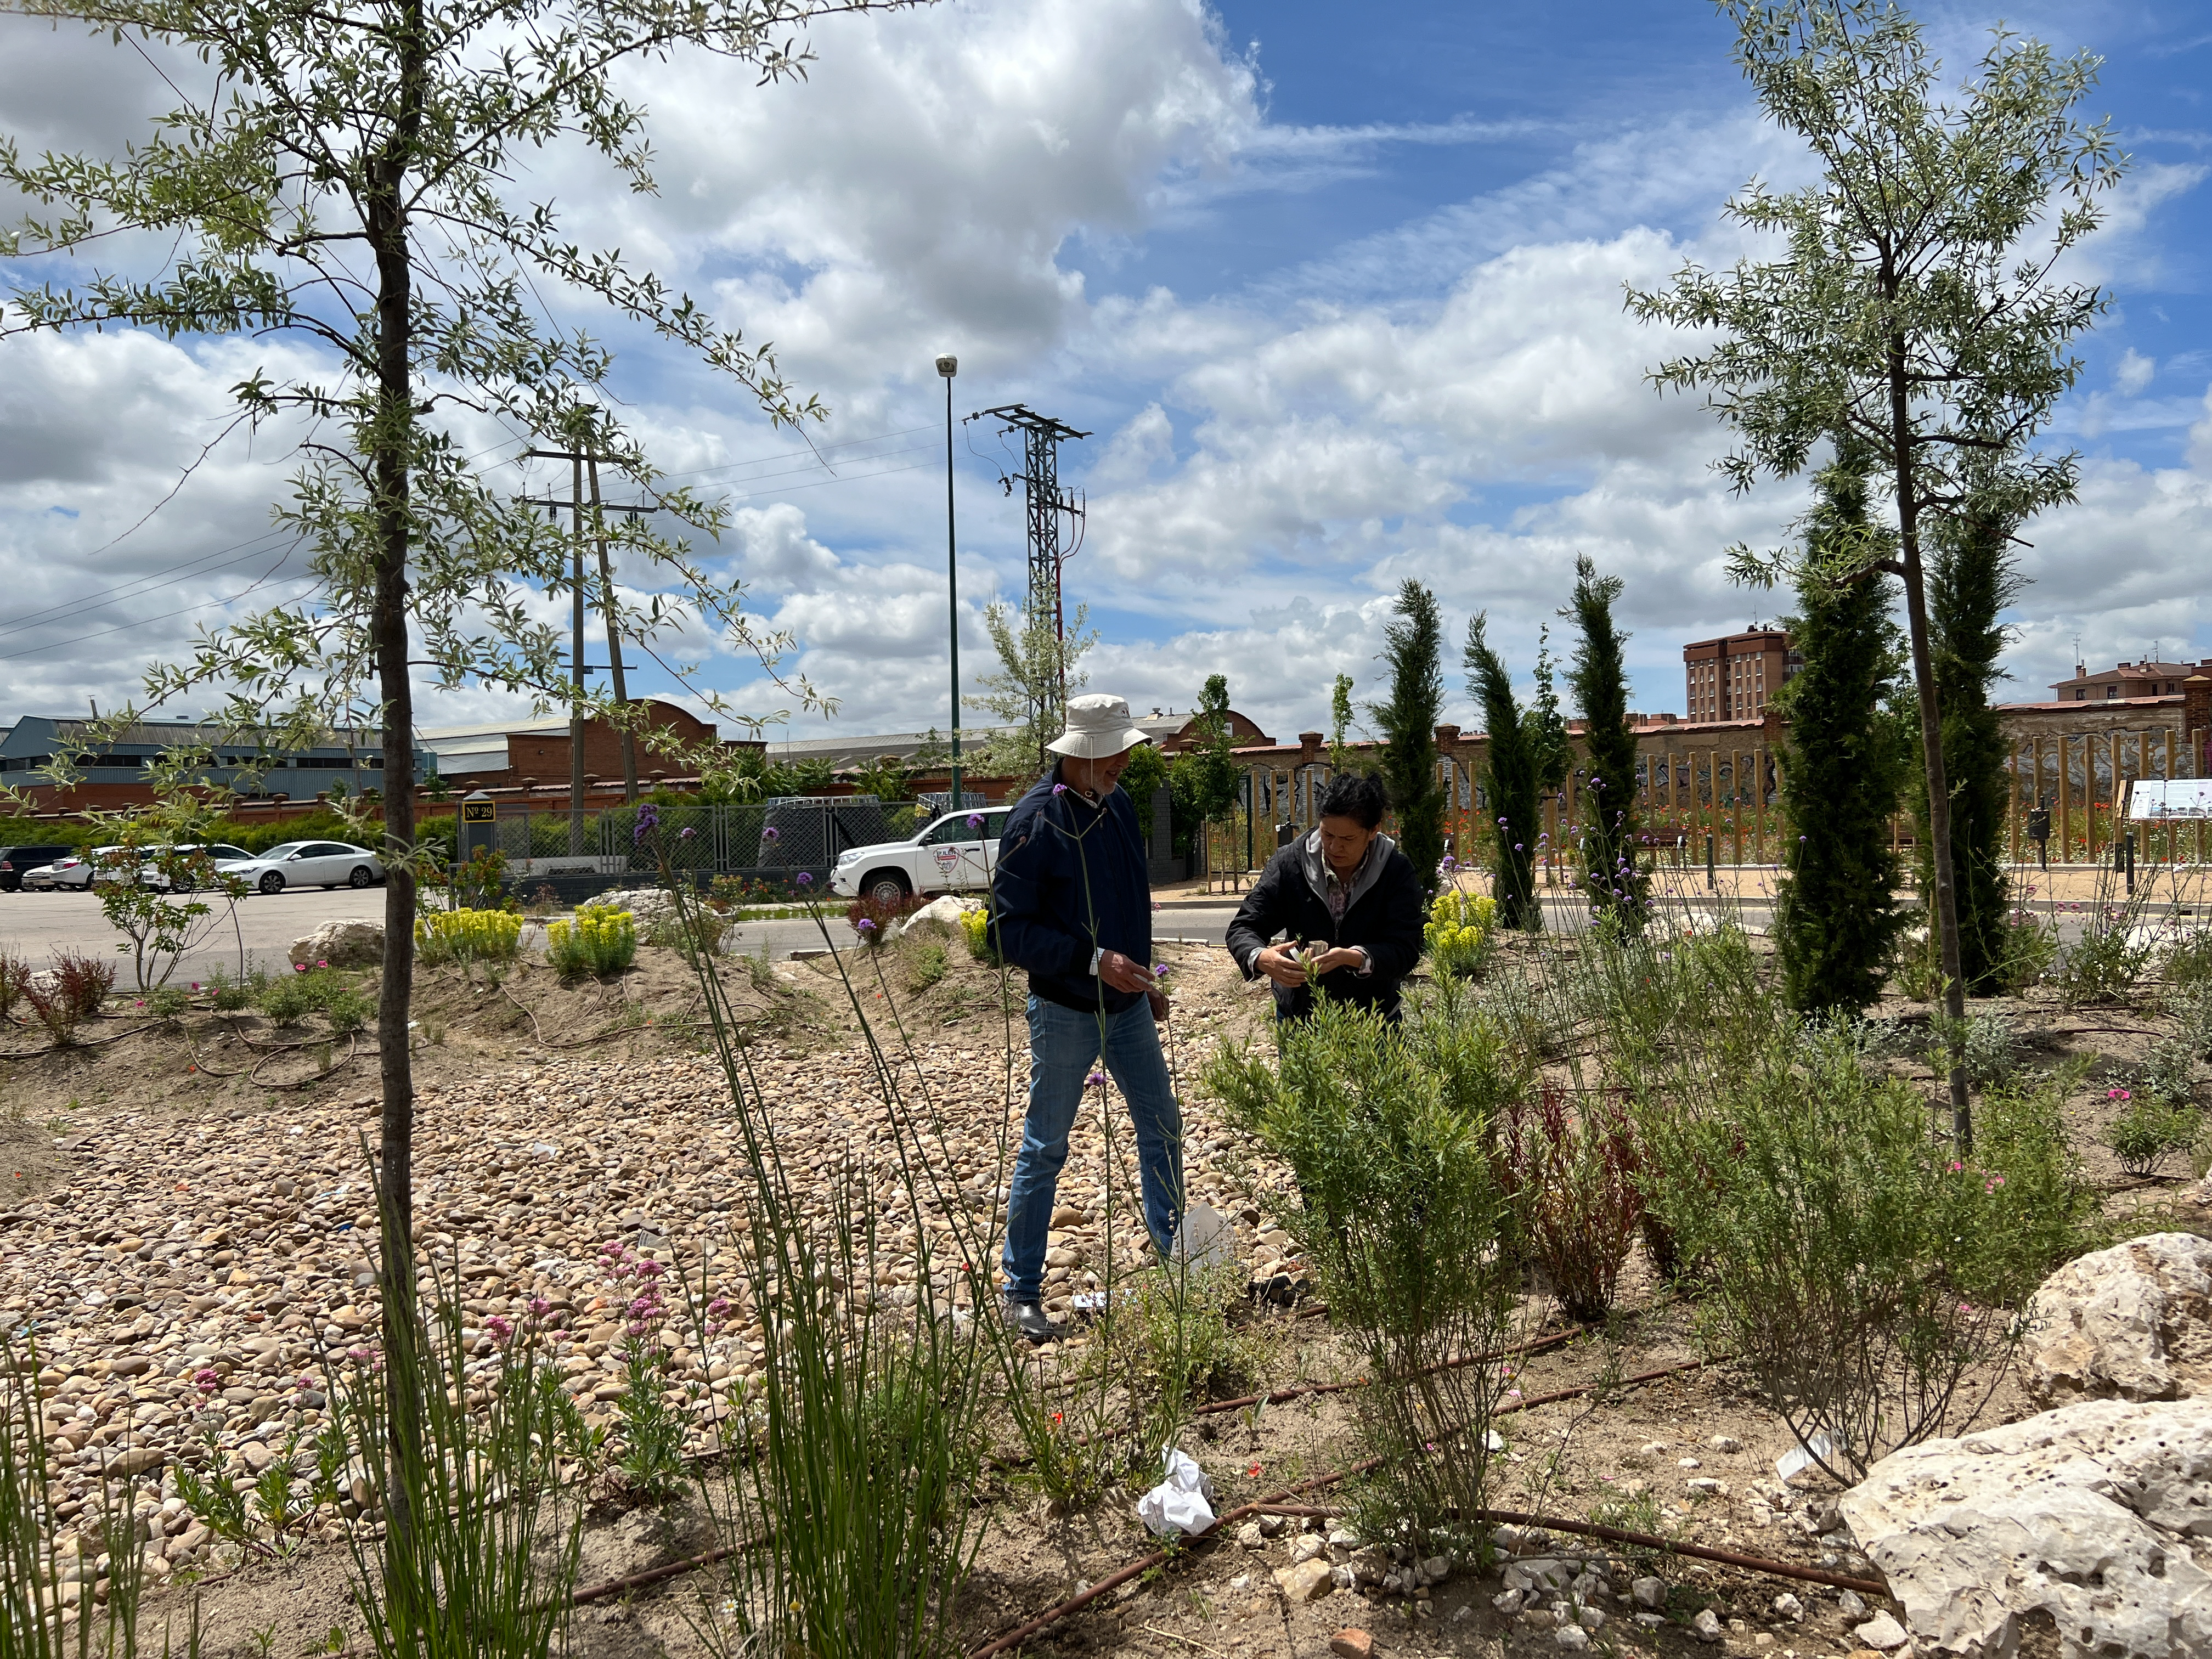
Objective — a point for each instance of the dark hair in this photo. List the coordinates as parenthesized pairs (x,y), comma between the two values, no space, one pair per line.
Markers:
(1356,795)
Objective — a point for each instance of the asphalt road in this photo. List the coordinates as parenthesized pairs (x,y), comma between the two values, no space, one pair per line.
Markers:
(260,930)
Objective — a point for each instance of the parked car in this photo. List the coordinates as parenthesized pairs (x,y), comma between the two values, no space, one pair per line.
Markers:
(958,851)
(74,872)
(219,853)
(308,864)
(16,861)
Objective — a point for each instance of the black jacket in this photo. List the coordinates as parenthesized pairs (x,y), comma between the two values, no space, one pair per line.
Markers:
(1072,880)
(1385,916)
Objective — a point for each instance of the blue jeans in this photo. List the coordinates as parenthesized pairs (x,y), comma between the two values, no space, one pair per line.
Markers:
(1063,1043)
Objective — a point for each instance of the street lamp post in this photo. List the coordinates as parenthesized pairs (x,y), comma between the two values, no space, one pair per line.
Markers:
(947,367)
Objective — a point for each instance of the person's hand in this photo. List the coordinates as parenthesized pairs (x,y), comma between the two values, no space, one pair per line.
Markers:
(1158,999)
(1124,974)
(1342,956)
(1280,964)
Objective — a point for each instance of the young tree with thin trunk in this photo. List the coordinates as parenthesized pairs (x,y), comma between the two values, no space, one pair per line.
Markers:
(1512,779)
(1836,915)
(1413,647)
(1612,879)
(1971,579)
(1038,666)
(1915,311)
(350,175)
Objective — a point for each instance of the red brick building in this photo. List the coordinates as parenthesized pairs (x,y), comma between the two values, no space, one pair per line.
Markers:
(1731,678)
(2129,679)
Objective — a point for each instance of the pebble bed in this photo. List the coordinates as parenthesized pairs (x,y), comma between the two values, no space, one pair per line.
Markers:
(193,1286)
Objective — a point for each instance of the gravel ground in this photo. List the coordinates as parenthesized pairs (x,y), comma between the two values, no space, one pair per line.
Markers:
(192,1279)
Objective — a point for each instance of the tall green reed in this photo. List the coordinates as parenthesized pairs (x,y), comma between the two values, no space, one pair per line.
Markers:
(846,1501)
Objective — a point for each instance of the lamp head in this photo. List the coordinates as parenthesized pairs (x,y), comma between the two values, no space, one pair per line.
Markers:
(948,365)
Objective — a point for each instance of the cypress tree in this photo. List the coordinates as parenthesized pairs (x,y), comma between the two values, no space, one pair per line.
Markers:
(1511,781)
(1599,675)
(1413,647)
(1836,917)
(1970,580)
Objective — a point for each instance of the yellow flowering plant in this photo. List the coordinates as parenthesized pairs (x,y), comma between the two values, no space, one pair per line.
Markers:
(467,935)
(602,941)
(1458,932)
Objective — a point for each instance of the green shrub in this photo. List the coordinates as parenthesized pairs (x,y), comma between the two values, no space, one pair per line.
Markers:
(927,963)
(168,1001)
(1862,1273)
(2189,962)
(2147,1129)
(2028,952)
(1401,1213)
(288,1000)
(600,942)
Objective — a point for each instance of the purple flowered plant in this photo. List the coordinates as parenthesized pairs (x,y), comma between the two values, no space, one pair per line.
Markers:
(648,820)
(771,835)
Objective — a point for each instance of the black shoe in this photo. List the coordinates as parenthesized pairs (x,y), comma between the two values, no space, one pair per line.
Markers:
(1029,1319)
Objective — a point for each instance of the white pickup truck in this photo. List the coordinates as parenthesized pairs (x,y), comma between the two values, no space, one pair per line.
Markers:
(959,851)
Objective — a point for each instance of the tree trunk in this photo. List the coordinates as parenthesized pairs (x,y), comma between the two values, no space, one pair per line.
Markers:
(390,461)
(1932,745)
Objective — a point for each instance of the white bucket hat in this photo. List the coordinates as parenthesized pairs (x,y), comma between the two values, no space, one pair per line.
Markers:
(1098,725)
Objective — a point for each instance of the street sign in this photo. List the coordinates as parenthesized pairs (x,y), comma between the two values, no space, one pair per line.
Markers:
(479,812)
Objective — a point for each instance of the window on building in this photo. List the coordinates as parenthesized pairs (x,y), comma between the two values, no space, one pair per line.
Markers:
(2112,690)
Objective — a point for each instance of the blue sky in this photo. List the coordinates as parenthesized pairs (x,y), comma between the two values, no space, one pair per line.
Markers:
(1336,289)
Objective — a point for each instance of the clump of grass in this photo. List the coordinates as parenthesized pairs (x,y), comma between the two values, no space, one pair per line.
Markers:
(468,1499)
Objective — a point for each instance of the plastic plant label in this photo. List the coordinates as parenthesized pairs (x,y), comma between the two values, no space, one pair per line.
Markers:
(1798,1459)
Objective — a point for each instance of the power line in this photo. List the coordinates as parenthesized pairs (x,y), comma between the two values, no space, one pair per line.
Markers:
(144,585)
(147,621)
(762,460)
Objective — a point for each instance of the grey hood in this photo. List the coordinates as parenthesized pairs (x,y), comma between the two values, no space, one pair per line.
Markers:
(1316,868)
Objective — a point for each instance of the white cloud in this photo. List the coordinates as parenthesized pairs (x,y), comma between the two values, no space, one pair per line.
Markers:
(2134,373)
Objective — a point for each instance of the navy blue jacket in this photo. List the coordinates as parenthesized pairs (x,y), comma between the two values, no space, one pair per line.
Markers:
(1072,880)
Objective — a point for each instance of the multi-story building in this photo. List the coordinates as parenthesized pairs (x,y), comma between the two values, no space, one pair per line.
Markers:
(1731,678)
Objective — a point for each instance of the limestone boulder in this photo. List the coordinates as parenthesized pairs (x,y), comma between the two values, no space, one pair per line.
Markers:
(946,910)
(2098,1515)
(342,945)
(2133,1322)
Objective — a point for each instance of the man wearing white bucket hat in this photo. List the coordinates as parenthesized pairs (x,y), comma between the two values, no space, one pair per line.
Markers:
(1072,905)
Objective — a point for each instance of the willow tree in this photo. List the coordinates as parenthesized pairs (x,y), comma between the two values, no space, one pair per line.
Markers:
(352,176)
(1512,780)
(1913,309)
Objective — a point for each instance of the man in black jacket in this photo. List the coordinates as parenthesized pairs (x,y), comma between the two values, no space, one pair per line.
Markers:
(1071,902)
(1346,892)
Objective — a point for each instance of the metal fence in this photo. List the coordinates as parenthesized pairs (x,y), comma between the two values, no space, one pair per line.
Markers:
(769,840)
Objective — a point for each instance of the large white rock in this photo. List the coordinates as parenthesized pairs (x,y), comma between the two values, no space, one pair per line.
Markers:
(2133,1322)
(342,945)
(2099,1515)
(947,910)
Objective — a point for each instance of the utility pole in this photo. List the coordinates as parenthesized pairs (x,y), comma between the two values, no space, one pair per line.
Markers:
(947,367)
(614,633)
(578,460)
(1046,502)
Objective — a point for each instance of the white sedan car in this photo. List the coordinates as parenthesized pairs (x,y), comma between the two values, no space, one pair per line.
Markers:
(958,851)
(76,870)
(308,864)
